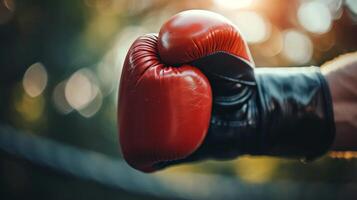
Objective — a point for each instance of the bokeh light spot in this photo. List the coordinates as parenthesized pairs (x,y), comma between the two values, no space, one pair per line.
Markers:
(297,47)
(35,79)
(80,89)
(82,93)
(59,99)
(315,17)
(334,6)
(254,27)
(93,107)
(352,5)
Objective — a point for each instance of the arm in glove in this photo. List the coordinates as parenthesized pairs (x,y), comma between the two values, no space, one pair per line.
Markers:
(256,111)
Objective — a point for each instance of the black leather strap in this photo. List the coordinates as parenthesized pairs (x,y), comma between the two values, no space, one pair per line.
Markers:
(296,112)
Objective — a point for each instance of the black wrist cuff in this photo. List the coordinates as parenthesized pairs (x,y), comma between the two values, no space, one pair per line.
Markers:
(296,117)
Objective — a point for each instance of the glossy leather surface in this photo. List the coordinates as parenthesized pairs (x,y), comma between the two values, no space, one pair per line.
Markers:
(163,111)
(287,112)
(193,34)
(296,112)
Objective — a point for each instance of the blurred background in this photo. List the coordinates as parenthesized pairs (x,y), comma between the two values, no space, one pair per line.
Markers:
(60,64)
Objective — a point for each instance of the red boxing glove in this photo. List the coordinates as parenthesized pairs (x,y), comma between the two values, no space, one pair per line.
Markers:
(164,104)
(167,114)
(163,111)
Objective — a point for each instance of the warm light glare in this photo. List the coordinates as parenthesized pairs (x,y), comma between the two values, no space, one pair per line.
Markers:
(274,45)
(315,17)
(35,79)
(31,109)
(233,4)
(254,27)
(297,47)
(256,170)
(343,154)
